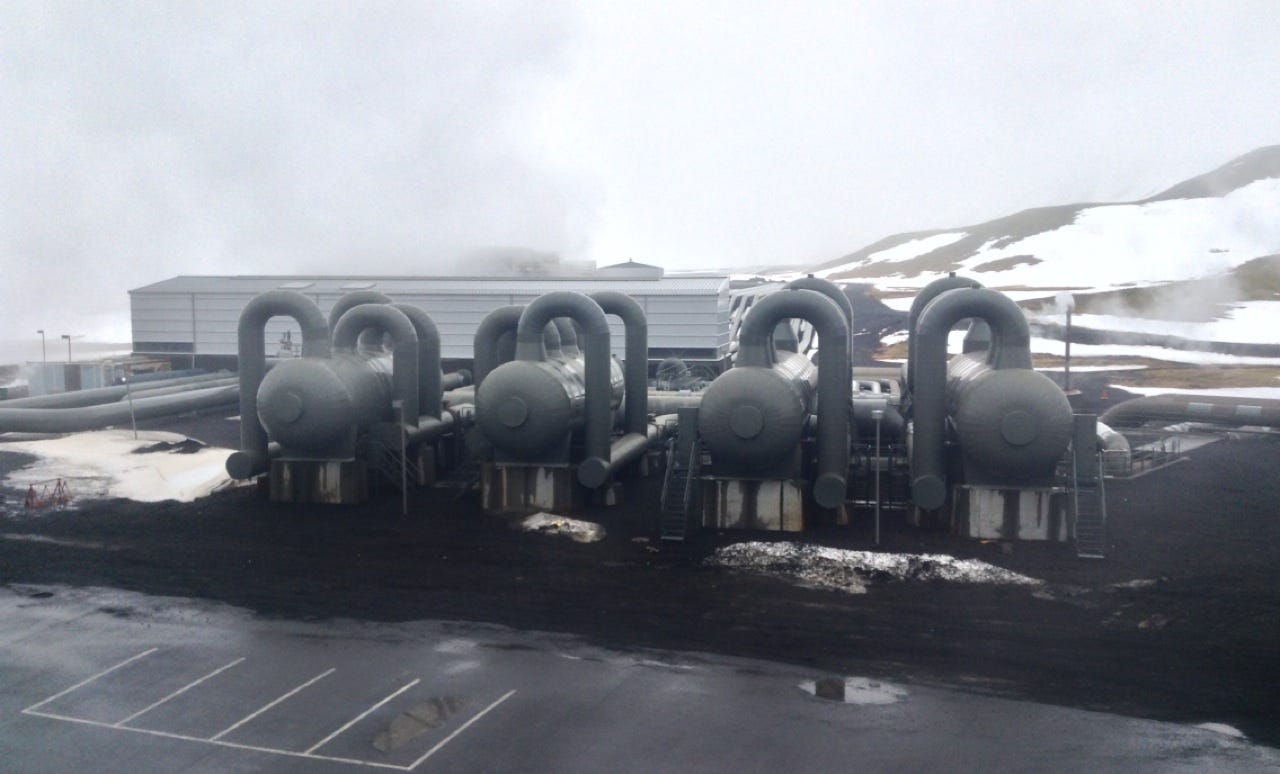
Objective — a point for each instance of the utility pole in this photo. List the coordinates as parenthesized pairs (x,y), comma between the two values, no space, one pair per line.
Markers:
(44,356)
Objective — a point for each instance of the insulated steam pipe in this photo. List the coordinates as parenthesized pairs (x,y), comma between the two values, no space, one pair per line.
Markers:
(835,388)
(832,291)
(97,395)
(1212,409)
(485,346)
(253,364)
(81,418)
(353,299)
(568,337)
(636,373)
(1010,348)
(430,378)
(595,345)
(404,351)
(927,294)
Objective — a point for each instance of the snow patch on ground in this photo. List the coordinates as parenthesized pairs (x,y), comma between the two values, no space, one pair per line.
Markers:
(104,464)
(1053,347)
(846,570)
(1222,728)
(551,524)
(1225,392)
(863,691)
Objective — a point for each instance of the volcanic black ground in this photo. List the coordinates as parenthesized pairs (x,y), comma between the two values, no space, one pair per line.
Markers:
(1180,622)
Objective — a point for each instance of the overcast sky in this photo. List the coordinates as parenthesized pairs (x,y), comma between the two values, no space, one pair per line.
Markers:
(143,140)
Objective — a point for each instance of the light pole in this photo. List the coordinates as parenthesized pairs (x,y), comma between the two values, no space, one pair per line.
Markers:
(44,356)
(67,336)
(1068,302)
(877,415)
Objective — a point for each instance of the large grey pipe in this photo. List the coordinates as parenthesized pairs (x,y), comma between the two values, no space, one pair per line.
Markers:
(1010,348)
(595,346)
(922,300)
(368,339)
(81,418)
(253,361)
(430,377)
(568,337)
(1211,409)
(404,350)
(485,346)
(636,368)
(835,389)
(97,395)
(832,291)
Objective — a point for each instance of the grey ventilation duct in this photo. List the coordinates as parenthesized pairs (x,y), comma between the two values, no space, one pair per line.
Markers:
(253,458)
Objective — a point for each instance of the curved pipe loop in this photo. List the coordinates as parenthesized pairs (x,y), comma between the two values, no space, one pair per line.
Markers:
(530,346)
(1010,348)
(404,350)
(486,345)
(430,377)
(253,363)
(926,295)
(636,366)
(832,291)
(835,388)
(368,339)
(567,335)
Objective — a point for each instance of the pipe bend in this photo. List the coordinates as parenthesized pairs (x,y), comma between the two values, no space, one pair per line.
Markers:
(832,291)
(835,386)
(636,354)
(404,353)
(485,345)
(430,378)
(253,353)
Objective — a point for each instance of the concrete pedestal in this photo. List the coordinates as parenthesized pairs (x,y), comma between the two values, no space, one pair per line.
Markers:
(337,482)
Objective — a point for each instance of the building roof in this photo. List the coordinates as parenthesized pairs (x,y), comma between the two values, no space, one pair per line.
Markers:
(681,284)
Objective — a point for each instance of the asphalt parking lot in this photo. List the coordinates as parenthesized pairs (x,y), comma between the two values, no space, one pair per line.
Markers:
(110,681)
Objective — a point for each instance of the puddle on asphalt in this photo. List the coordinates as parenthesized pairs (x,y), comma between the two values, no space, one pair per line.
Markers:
(416,721)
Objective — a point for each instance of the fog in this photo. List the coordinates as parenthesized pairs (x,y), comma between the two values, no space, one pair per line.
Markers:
(146,140)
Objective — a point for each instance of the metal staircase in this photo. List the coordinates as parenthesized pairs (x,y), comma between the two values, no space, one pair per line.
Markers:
(680,480)
(1089,505)
(384,457)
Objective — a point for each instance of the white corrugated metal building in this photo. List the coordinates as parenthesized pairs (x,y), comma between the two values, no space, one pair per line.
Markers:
(193,319)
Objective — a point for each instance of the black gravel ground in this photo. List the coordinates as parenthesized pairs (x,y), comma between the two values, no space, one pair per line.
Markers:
(1180,622)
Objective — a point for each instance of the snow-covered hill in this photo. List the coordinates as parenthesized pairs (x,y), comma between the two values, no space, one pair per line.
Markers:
(1200,228)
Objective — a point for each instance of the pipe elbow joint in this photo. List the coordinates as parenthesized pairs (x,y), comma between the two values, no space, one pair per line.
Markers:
(593,472)
(829,490)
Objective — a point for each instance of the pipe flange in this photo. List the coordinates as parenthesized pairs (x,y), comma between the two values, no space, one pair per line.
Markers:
(746,422)
(513,412)
(1019,428)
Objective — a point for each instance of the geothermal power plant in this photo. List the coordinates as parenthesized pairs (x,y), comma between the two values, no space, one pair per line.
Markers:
(557,394)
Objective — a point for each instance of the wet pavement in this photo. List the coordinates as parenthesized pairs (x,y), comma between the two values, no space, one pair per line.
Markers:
(111,681)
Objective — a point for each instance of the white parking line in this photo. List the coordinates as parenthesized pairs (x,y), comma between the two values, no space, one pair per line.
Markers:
(359,717)
(177,693)
(460,729)
(88,680)
(253,715)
